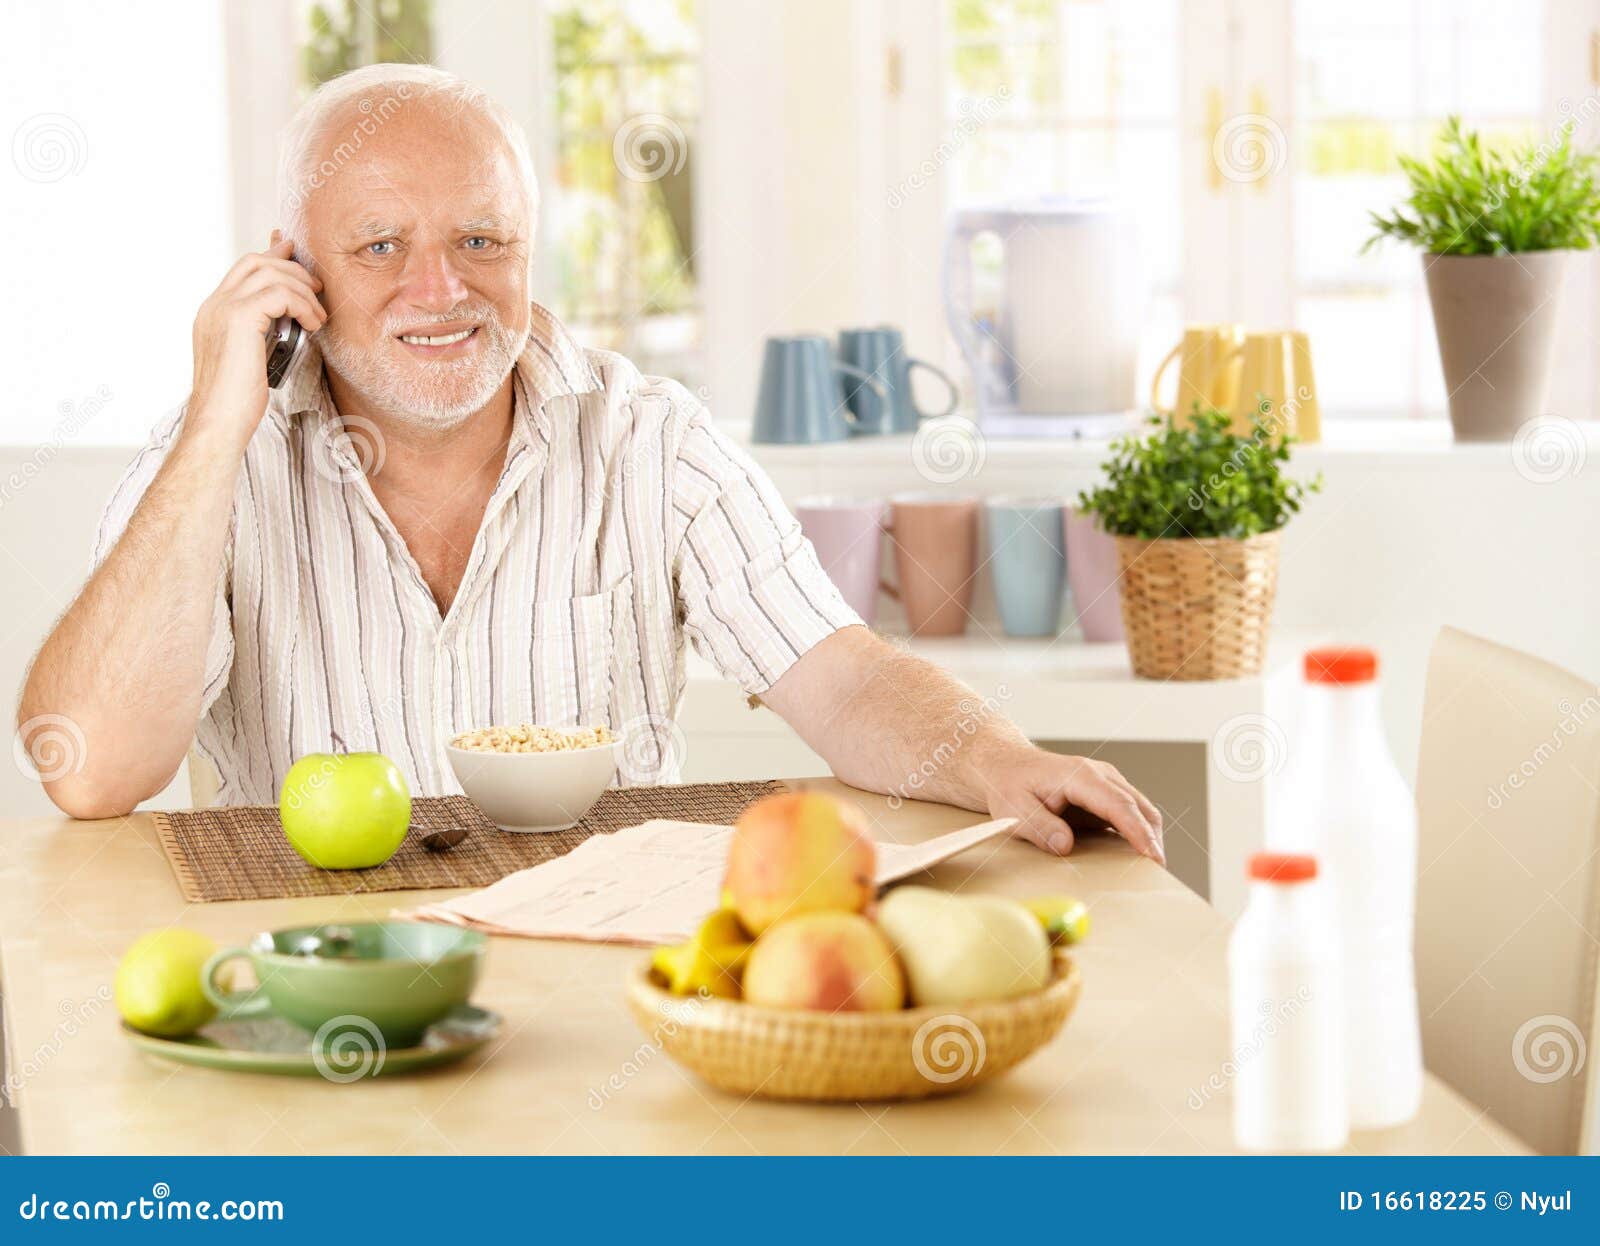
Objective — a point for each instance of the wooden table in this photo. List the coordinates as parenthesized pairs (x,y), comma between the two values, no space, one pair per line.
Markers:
(1138,1069)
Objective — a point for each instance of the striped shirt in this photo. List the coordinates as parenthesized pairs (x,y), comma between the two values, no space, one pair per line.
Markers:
(622,522)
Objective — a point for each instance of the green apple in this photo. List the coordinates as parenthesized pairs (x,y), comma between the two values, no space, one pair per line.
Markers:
(345,811)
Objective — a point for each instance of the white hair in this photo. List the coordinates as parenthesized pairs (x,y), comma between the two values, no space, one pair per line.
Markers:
(378,92)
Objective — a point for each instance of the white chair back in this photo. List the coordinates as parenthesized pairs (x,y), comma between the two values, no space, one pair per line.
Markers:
(1508,894)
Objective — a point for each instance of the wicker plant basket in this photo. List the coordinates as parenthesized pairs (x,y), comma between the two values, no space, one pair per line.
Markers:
(1197,608)
(775,1053)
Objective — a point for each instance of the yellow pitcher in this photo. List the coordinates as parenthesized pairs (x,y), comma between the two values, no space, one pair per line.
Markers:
(1275,367)
(1208,369)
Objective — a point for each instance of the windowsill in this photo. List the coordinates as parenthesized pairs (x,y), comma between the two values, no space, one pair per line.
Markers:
(1387,442)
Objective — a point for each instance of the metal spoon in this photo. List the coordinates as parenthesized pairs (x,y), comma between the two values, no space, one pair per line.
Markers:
(330,943)
(443,841)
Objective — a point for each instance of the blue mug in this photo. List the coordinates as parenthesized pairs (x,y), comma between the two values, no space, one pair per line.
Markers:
(1028,562)
(801,399)
(881,354)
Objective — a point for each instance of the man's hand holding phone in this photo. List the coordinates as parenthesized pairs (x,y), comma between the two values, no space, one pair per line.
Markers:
(230,372)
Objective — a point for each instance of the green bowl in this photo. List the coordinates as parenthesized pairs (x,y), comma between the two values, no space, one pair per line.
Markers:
(389,979)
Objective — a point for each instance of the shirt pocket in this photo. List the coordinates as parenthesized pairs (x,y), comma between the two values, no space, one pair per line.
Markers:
(573,655)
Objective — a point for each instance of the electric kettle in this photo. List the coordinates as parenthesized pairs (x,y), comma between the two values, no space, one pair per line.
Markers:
(1045,299)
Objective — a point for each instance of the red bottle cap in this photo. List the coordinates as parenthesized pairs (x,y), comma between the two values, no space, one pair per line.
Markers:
(1282,867)
(1341,666)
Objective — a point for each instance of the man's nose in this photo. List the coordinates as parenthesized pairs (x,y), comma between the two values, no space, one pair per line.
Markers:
(431,280)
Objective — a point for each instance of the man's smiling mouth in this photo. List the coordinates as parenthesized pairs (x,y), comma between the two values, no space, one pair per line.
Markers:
(438,339)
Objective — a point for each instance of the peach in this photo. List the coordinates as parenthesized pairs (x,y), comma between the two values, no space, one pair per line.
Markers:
(799,852)
(830,962)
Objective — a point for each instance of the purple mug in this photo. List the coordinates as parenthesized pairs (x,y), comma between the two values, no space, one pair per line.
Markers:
(847,534)
(1094,574)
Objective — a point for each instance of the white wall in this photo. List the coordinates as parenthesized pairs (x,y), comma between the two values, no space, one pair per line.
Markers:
(115,205)
(50,502)
(1407,536)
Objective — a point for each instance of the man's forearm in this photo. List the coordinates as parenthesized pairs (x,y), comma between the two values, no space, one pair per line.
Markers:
(887,721)
(125,664)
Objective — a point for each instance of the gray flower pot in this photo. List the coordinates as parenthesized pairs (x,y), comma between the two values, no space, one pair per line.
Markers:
(1496,320)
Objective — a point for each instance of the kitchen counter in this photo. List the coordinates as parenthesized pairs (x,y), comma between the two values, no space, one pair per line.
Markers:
(1140,1068)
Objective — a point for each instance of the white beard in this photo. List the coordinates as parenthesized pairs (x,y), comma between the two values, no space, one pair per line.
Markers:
(436,396)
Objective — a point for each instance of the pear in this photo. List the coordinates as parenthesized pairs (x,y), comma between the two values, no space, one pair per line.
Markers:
(960,949)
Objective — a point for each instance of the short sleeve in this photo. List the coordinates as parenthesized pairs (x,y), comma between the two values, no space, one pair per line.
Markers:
(114,520)
(752,595)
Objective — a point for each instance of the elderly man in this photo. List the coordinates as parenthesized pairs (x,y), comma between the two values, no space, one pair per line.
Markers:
(451,515)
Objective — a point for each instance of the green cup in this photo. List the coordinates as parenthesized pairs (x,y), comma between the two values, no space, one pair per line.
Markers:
(394,978)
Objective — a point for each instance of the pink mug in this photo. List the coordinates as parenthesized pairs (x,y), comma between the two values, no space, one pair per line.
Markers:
(936,559)
(1094,574)
(847,534)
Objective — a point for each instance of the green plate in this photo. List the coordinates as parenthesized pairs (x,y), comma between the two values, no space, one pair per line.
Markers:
(351,1054)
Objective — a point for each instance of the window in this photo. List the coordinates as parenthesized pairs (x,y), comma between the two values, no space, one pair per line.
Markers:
(627,96)
(1132,98)
(341,35)
(1076,97)
(1375,78)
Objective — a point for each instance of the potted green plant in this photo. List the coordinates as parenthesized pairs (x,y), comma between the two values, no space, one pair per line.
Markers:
(1195,510)
(1497,231)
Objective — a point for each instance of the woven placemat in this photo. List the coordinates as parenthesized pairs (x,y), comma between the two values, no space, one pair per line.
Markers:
(240,853)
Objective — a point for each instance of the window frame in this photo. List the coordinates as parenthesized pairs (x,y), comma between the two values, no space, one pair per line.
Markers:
(1237,57)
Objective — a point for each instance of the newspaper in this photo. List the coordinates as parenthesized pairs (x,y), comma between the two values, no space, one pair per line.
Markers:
(648,884)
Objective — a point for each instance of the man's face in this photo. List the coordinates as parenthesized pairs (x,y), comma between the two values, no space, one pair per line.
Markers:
(421,238)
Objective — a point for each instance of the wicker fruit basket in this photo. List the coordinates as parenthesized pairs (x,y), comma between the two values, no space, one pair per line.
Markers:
(776,1053)
(1198,608)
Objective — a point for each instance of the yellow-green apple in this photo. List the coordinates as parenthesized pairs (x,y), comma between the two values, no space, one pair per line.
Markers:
(832,962)
(798,852)
(957,949)
(157,986)
(345,811)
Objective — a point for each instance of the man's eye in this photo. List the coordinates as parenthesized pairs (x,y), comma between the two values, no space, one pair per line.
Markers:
(479,243)
(382,247)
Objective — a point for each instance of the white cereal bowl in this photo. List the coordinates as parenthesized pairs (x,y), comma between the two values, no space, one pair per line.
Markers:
(535,792)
